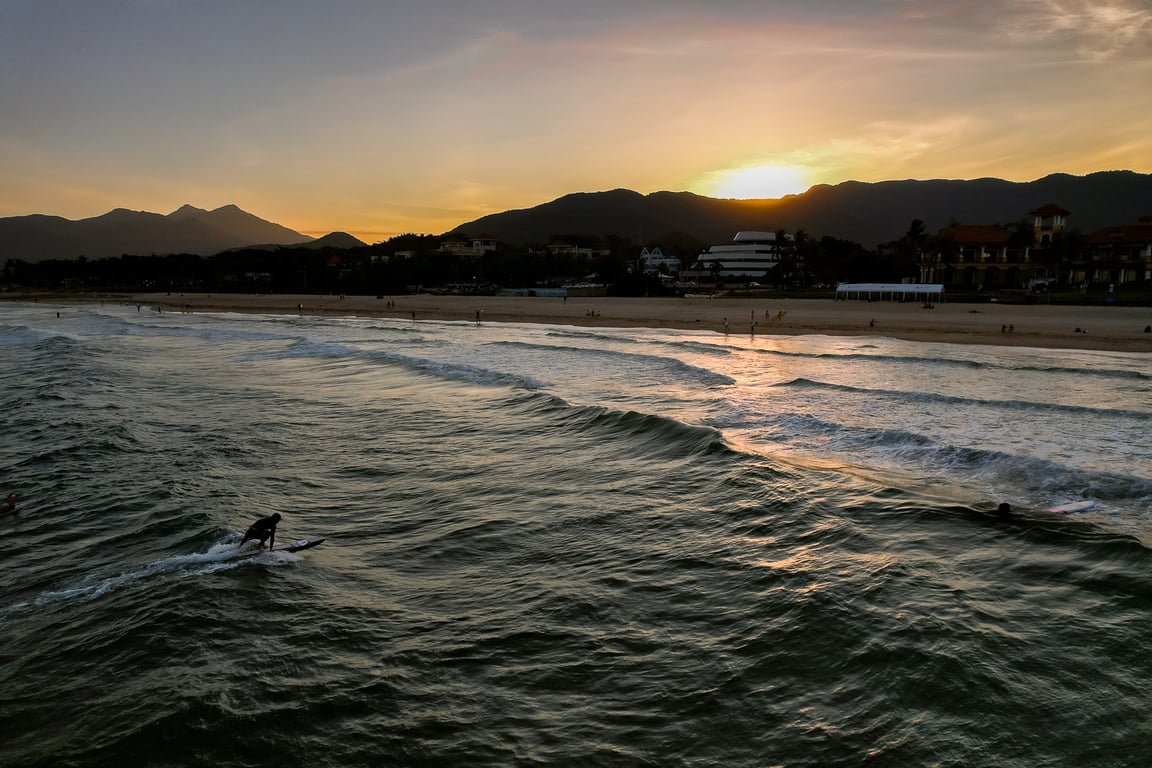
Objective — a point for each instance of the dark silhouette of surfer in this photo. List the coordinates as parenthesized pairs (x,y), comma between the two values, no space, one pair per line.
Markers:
(263,529)
(1004,511)
(8,505)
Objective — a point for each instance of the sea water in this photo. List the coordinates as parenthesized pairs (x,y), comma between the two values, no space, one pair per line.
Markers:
(556,546)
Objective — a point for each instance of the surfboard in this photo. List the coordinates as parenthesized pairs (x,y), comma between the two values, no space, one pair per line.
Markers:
(300,544)
(1073,506)
(296,546)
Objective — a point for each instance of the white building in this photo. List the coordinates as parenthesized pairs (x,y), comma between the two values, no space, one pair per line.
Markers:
(463,245)
(750,254)
(652,259)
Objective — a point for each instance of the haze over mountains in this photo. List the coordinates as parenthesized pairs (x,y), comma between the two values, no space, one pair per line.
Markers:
(867,213)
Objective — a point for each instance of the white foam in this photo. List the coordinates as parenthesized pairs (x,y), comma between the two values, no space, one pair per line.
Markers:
(221,556)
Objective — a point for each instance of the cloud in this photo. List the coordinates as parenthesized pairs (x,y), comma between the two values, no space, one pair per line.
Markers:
(1094,30)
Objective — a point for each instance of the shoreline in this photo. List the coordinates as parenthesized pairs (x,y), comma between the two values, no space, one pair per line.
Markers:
(1101,328)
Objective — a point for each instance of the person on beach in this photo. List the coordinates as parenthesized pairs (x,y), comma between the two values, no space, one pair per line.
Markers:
(263,529)
(8,505)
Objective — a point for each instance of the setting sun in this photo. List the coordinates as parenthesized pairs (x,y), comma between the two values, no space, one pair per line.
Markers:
(756,182)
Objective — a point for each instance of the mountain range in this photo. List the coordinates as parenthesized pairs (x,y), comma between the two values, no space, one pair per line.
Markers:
(186,230)
(867,213)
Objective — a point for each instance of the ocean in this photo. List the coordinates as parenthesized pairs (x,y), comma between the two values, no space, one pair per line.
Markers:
(562,546)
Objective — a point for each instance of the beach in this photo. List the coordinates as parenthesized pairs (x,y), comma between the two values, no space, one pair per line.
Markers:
(1091,327)
(1038,325)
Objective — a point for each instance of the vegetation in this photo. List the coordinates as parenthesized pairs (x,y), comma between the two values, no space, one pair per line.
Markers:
(416,263)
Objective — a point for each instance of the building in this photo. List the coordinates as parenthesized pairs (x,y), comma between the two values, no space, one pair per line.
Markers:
(653,262)
(985,256)
(991,256)
(1115,255)
(750,254)
(561,248)
(1048,221)
(459,244)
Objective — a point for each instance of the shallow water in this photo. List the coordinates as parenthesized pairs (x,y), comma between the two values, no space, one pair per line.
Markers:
(558,546)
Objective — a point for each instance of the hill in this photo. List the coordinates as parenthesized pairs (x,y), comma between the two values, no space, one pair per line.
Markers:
(867,213)
(339,241)
(185,230)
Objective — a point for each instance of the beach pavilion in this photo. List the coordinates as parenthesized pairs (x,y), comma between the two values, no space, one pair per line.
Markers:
(926,292)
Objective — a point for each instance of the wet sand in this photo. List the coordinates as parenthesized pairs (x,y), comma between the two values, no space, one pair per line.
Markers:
(1049,326)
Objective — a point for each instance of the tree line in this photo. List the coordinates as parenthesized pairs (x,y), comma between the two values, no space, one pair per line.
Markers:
(411,262)
(415,262)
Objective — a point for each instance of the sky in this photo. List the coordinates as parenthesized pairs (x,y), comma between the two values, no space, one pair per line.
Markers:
(384,117)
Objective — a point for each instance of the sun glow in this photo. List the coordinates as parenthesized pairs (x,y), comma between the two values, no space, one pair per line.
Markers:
(757,181)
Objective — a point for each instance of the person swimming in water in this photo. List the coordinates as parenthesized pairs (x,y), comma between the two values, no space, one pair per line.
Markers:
(1004,511)
(8,505)
(263,529)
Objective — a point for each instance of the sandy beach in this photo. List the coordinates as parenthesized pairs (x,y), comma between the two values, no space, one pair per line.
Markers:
(1049,326)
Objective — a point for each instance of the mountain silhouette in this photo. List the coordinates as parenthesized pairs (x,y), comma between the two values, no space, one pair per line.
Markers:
(333,240)
(867,213)
(186,230)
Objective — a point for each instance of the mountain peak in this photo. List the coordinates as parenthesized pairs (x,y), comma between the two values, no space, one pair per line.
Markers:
(185,211)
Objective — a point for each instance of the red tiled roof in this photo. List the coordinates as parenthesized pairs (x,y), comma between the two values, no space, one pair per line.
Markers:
(1128,234)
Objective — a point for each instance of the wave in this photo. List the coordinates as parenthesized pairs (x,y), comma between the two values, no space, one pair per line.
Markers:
(27,335)
(647,434)
(691,345)
(460,372)
(1038,478)
(590,335)
(677,366)
(931,398)
(1111,373)
(101,324)
(122,327)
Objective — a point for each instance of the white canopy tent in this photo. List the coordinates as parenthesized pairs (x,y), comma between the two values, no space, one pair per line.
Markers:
(891,291)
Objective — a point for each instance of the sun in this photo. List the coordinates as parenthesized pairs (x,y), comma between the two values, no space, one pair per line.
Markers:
(757,182)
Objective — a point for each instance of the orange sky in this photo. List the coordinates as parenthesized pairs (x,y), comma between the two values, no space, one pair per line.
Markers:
(378,121)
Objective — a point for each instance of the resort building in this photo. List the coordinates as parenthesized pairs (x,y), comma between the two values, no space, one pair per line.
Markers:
(459,244)
(750,254)
(982,255)
(1115,255)
(991,256)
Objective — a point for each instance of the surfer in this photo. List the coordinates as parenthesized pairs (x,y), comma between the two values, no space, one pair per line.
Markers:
(1004,511)
(263,529)
(8,505)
